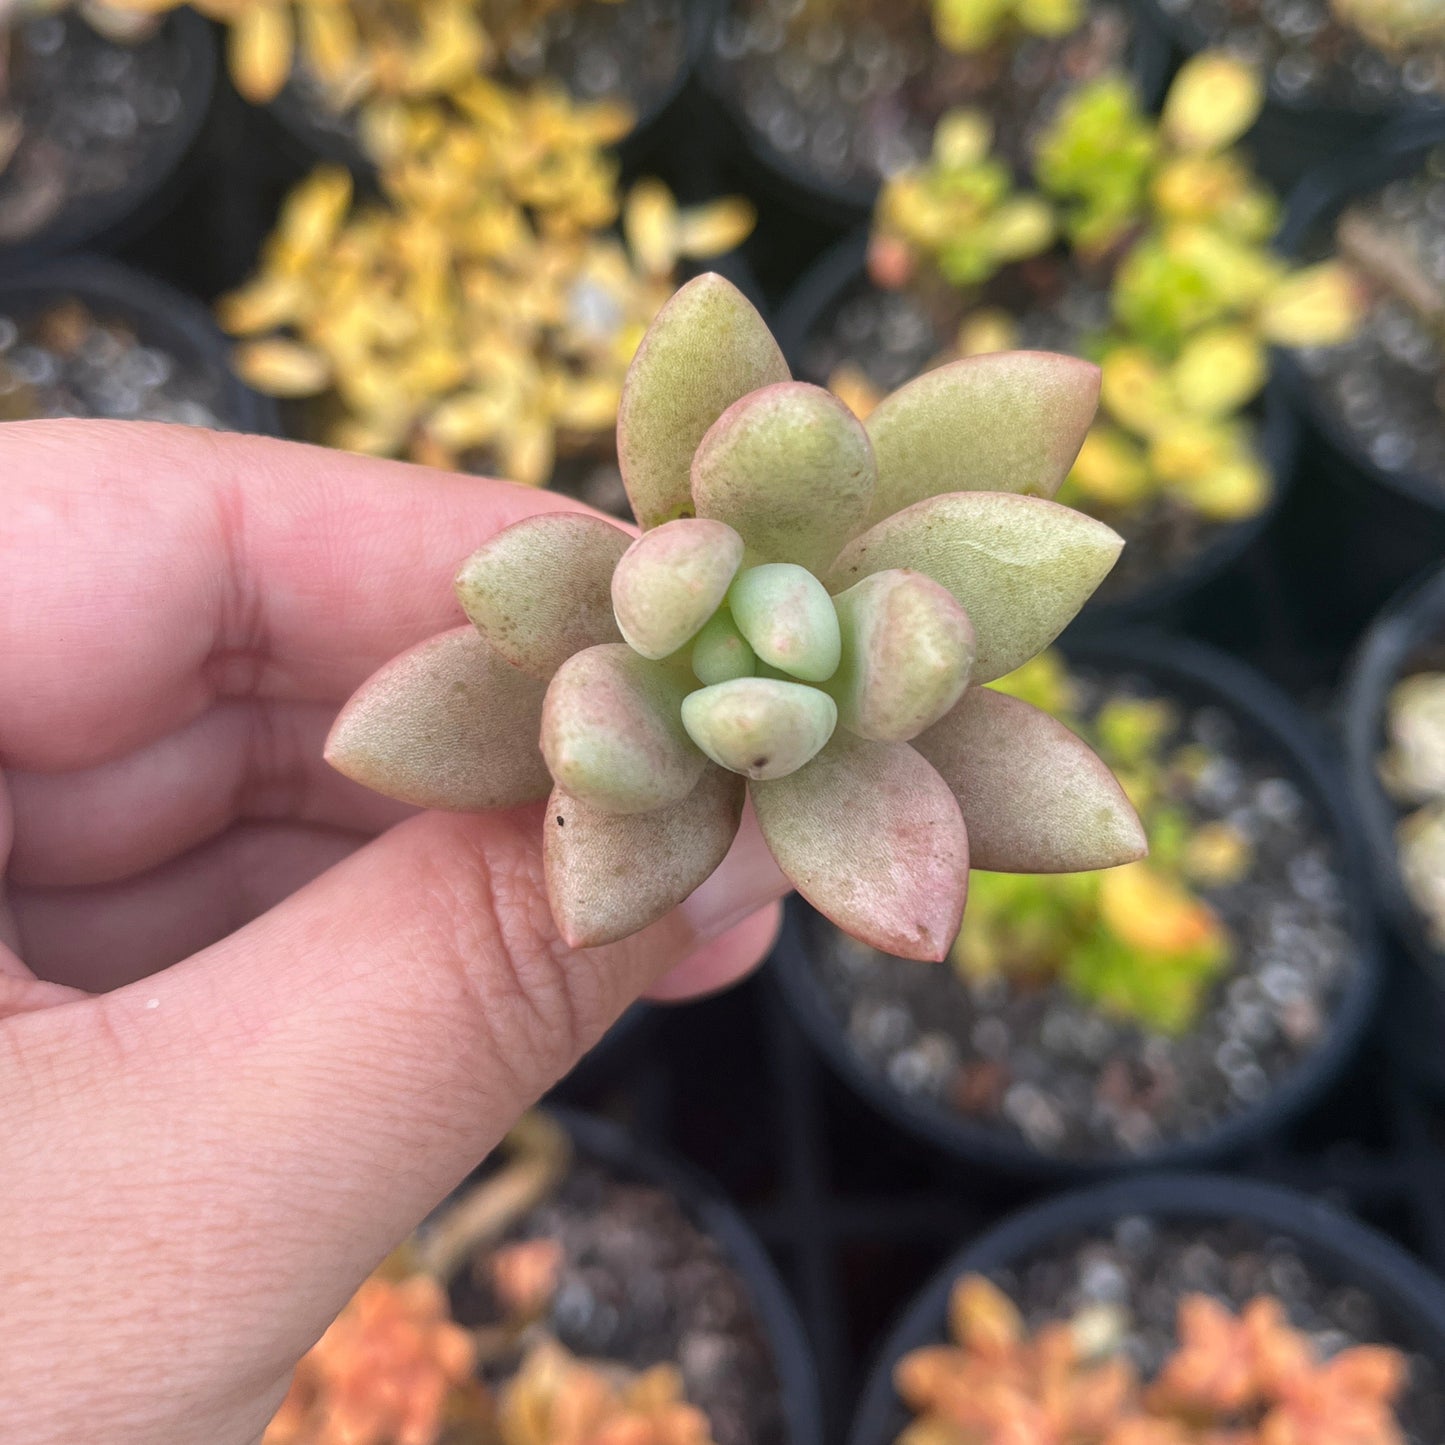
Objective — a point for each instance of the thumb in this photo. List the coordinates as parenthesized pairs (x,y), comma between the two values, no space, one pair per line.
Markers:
(236,1142)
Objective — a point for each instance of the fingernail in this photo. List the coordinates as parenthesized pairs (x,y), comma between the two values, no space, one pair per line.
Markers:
(746,881)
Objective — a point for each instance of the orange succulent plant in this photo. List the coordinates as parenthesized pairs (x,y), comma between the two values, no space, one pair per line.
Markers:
(1246,1379)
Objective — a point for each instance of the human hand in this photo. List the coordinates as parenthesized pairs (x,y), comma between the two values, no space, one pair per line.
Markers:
(254,1021)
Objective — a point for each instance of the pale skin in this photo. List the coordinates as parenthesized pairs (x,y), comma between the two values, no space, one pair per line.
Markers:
(254,1021)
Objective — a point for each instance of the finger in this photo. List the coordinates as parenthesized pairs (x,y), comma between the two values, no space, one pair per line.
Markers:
(238,761)
(192,565)
(100,938)
(722,964)
(288,1105)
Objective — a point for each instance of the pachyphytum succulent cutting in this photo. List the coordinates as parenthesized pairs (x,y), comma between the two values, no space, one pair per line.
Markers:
(806,618)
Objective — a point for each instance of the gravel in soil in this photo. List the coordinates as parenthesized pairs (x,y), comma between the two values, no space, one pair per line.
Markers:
(631,50)
(892,336)
(852,97)
(1042,1066)
(1386,387)
(93,114)
(1310,56)
(1143,1267)
(641,1284)
(66,361)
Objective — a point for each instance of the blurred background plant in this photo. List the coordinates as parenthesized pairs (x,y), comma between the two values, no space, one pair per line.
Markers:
(349,49)
(1413,770)
(968,25)
(482,313)
(395,1368)
(1140,942)
(1167,217)
(1249,1379)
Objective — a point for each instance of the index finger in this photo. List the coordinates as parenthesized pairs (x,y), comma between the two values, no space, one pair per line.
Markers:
(150,570)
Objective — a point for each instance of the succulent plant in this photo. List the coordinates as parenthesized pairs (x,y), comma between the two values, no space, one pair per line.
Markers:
(1174,223)
(802,619)
(1246,1379)
(480,316)
(349,48)
(969,25)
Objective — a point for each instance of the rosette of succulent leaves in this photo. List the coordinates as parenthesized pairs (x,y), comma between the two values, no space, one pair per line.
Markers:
(1249,1378)
(805,618)
(1167,216)
(348,50)
(395,1368)
(1141,942)
(1413,771)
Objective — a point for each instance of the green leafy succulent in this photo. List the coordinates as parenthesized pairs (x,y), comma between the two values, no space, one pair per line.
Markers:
(802,619)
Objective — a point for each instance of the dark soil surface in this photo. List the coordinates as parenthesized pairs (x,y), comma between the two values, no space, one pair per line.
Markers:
(1045,1066)
(641,1285)
(1386,387)
(67,361)
(93,115)
(852,97)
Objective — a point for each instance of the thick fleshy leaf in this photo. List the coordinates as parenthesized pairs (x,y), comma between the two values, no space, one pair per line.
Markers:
(787,616)
(541,589)
(1020,567)
(449,724)
(1012,421)
(759,726)
(1036,798)
(612,731)
(907,651)
(671,580)
(872,837)
(609,876)
(706,348)
(790,469)
(721,652)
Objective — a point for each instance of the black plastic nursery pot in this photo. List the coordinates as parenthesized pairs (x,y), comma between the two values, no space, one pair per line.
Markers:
(1357,532)
(1411,625)
(307,135)
(702,1202)
(1328,1241)
(1211,593)
(1291,135)
(110,218)
(160,316)
(793,183)
(1192,672)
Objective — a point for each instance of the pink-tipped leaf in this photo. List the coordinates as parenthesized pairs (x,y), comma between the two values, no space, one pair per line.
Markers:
(540,590)
(671,580)
(610,876)
(706,348)
(1021,567)
(907,651)
(1011,421)
(790,469)
(449,724)
(612,731)
(1035,797)
(872,837)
